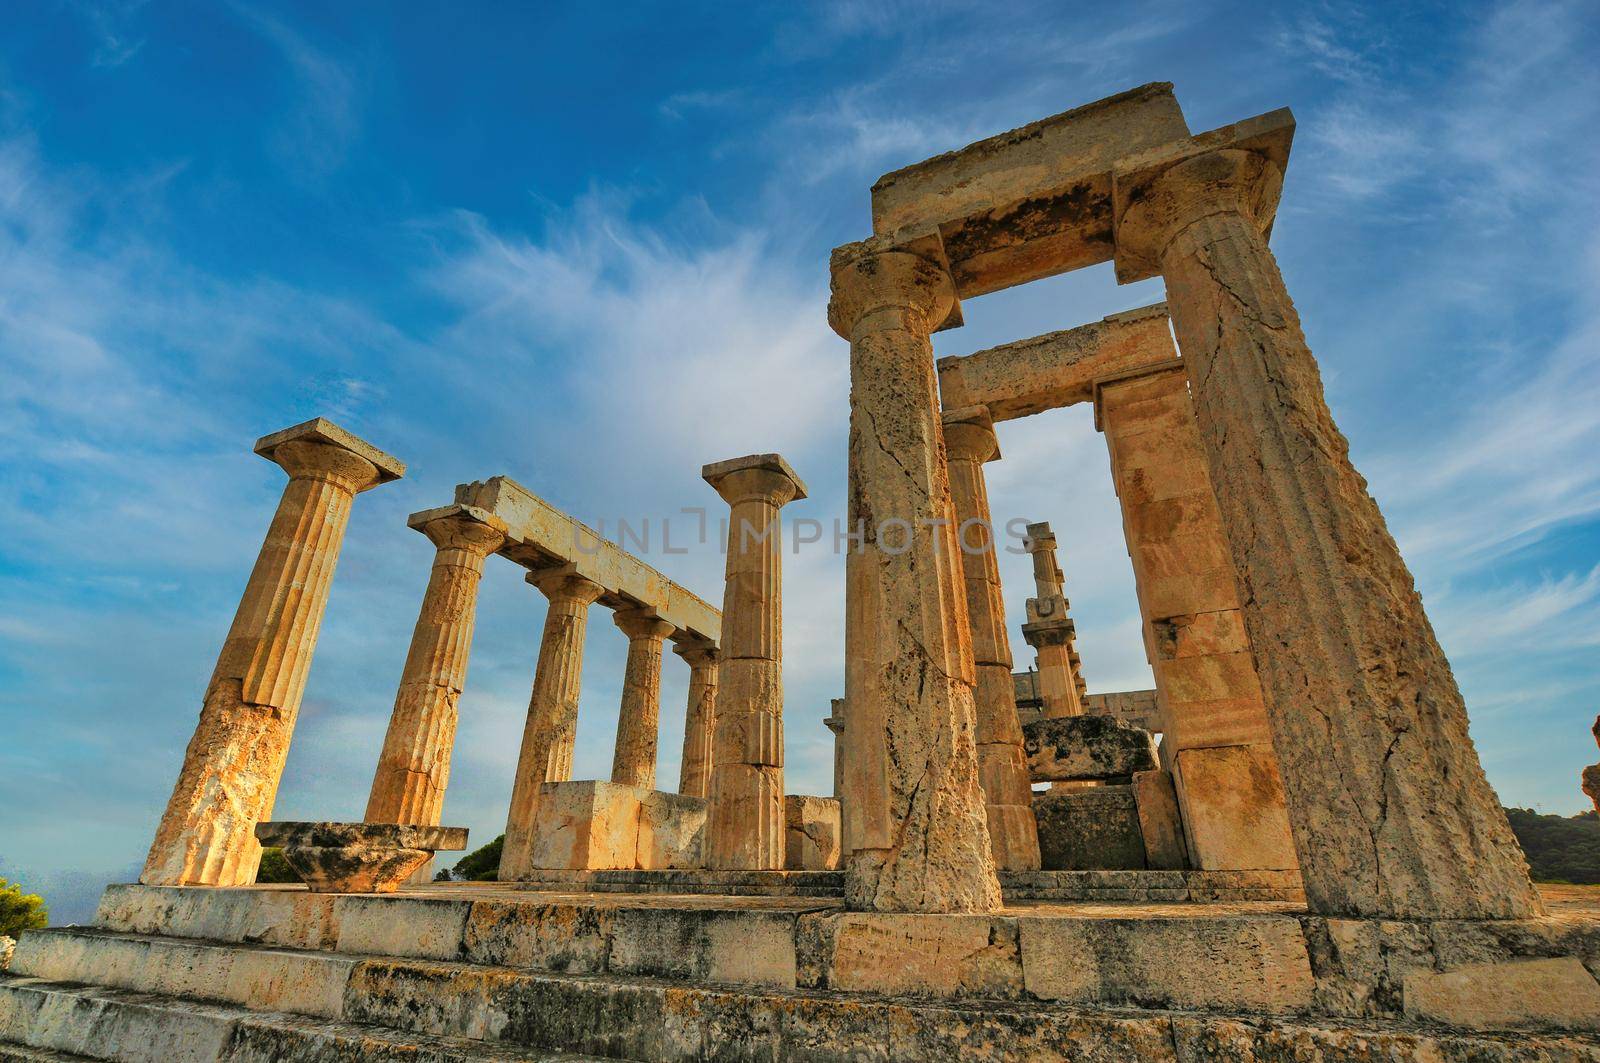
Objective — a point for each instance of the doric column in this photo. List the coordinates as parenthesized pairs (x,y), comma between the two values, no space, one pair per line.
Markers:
(834,722)
(699,719)
(1392,814)
(414,767)
(552,724)
(1050,630)
(1002,766)
(744,826)
(914,818)
(235,760)
(1216,736)
(639,716)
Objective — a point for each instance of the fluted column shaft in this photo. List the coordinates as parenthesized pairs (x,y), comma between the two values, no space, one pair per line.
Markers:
(633,763)
(552,724)
(1050,631)
(1002,766)
(1392,814)
(915,824)
(699,720)
(414,767)
(744,825)
(235,759)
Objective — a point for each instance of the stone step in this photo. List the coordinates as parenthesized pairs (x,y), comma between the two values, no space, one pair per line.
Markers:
(67,1021)
(1192,956)
(1139,886)
(15,1053)
(426,1011)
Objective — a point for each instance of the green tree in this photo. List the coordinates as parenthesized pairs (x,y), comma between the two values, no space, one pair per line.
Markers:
(20,911)
(274,868)
(480,865)
(1559,848)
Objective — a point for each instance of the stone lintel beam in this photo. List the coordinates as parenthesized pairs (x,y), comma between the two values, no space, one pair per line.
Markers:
(1056,369)
(1031,202)
(539,536)
(1267,135)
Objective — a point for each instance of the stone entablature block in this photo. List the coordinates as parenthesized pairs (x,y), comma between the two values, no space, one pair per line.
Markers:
(1086,748)
(539,536)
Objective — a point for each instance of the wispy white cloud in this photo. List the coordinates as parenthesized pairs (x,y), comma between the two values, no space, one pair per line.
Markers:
(317,132)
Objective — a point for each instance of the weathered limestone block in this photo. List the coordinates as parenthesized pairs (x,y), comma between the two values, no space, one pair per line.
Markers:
(915,824)
(1392,813)
(748,743)
(1233,810)
(1053,370)
(639,716)
(8,948)
(1255,963)
(672,831)
(1159,821)
(1031,202)
(1086,747)
(234,761)
(811,825)
(588,825)
(1548,993)
(414,767)
(552,724)
(358,857)
(915,956)
(1088,830)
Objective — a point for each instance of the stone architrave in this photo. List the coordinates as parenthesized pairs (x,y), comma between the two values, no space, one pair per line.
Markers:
(1002,768)
(639,716)
(1393,817)
(699,719)
(235,759)
(745,828)
(1214,720)
(1050,630)
(915,826)
(552,724)
(414,767)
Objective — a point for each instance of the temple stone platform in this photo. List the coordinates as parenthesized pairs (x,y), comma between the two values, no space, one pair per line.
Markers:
(1202,887)
(481,971)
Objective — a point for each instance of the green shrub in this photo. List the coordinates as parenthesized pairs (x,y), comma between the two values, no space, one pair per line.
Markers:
(20,911)
(480,865)
(274,868)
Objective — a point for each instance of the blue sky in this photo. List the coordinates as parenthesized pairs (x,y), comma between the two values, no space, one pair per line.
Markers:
(588,249)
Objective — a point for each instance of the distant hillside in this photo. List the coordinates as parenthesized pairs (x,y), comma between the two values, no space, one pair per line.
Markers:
(1559,848)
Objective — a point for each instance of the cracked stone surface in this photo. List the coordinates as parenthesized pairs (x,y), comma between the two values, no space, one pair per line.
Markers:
(915,823)
(1391,810)
(552,723)
(235,759)
(414,767)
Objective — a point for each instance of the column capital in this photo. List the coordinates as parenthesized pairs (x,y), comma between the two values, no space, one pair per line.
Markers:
(697,654)
(1057,632)
(319,449)
(1039,538)
(1157,194)
(459,527)
(755,476)
(641,624)
(969,434)
(564,584)
(878,274)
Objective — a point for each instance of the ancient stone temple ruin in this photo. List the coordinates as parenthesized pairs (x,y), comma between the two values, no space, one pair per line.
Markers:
(1287,849)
